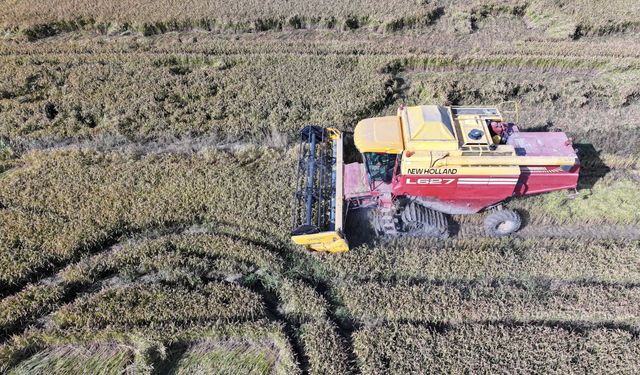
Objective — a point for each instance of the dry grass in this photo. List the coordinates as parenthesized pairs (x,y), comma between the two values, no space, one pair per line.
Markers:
(186,258)
(325,349)
(148,304)
(584,17)
(112,16)
(488,259)
(405,348)
(28,303)
(227,358)
(150,96)
(149,344)
(493,301)
(301,302)
(145,184)
(564,19)
(103,359)
(100,195)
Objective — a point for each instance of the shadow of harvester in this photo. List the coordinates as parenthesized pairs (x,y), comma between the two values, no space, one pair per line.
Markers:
(593,167)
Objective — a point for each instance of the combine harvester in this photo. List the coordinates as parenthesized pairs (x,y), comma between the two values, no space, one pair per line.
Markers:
(421,165)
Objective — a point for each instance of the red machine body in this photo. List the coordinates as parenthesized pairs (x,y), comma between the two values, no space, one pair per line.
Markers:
(454,193)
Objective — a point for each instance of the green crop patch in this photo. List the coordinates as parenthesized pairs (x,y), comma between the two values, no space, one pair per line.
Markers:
(227,358)
(101,358)
(590,206)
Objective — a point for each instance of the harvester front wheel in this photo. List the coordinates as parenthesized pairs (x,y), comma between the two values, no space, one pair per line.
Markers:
(502,223)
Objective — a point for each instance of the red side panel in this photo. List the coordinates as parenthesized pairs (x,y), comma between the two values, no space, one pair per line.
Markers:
(535,180)
(457,194)
(460,194)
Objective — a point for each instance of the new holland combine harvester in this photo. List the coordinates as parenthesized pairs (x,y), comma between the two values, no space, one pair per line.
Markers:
(421,165)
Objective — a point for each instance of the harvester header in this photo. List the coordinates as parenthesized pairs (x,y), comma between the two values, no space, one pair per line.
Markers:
(318,201)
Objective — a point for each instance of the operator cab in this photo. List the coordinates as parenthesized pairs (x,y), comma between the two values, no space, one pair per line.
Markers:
(380,166)
(380,142)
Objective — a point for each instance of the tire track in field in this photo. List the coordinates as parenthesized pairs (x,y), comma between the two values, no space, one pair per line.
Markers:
(579,326)
(73,290)
(457,63)
(56,265)
(385,44)
(591,232)
(53,276)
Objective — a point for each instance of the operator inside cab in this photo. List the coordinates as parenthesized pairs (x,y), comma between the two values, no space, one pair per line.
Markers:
(380,166)
(499,131)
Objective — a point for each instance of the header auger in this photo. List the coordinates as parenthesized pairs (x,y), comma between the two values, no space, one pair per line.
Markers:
(421,165)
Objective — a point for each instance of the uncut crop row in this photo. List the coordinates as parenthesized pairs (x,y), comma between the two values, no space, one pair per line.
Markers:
(491,301)
(55,98)
(148,304)
(489,259)
(143,278)
(558,19)
(407,348)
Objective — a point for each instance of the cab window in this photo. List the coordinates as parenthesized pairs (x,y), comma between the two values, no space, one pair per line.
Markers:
(380,166)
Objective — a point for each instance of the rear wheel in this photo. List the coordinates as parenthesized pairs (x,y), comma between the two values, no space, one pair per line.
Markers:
(502,223)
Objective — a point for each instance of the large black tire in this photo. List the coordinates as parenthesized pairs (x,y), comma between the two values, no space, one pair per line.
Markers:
(420,221)
(502,223)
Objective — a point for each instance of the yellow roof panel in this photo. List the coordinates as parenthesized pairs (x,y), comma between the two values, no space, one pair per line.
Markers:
(379,134)
(428,127)
(427,123)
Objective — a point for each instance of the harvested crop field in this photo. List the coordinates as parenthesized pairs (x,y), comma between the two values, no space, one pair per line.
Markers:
(147,163)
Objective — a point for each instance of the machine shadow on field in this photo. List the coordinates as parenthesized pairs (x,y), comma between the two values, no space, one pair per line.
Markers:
(351,154)
(171,361)
(593,167)
(358,228)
